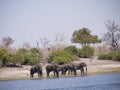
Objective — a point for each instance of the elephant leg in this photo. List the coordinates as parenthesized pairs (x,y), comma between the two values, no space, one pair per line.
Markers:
(47,73)
(41,74)
(54,72)
(65,72)
(38,74)
(86,70)
(82,71)
(31,75)
(62,72)
(70,72)
(75,73)
(57,73)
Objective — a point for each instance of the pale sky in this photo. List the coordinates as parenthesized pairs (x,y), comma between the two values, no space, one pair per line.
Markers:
(30,20)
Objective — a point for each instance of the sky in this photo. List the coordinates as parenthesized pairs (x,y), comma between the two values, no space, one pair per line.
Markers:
(31,20)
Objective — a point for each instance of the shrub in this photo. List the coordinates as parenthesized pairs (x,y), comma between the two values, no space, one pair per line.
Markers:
(16,58)
(30,56)
(60,57)
(4,57)
(110,56)
(72,50)
(21,56)
(86,52)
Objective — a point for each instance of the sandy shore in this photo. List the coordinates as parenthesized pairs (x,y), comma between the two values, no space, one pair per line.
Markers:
(94,67)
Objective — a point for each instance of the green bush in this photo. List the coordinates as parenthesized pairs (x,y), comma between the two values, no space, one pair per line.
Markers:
(21,56)
(29,56)
(72,50)
(16,58)
(110,56)
(35,56)
(4,57)
(86,52)
(60,57)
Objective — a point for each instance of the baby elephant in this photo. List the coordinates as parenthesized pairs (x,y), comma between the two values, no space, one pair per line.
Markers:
(36,69)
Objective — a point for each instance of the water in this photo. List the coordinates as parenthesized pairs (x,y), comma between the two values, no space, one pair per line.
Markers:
(90,82)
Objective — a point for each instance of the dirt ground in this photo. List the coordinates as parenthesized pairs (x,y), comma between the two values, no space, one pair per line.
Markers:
(94,67)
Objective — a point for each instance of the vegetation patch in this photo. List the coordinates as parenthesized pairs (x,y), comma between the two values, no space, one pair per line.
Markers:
(60,57)
(86,52)
(110,56)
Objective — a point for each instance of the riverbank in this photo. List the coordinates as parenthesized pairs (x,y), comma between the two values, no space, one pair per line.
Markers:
(94,67)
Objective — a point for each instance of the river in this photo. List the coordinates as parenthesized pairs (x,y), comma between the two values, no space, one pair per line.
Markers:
(89,82)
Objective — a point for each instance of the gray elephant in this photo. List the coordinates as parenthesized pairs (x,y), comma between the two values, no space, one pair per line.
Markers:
(81,67)
(36,69)
(54,68)
(70,67)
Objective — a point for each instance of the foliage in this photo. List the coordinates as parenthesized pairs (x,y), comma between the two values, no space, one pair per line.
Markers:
(112,37)
(21,56)
(60,57)
(72,50)
(17,58)
(36,53)
(83,36)
(25,54)
(4,56)
(31,56)
(110,56)
(86,51)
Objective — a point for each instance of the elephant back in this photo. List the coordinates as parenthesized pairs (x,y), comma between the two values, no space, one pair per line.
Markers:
(83,64)
(52,67)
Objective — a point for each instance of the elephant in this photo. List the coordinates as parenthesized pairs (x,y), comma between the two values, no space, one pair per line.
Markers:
(70,67)
(36,69)
(54,68)
(80,67)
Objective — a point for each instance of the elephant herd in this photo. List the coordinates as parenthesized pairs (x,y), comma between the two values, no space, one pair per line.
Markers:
(71,68)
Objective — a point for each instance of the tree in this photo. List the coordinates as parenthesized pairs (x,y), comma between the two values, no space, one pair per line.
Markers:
(7,41)
(84,37)
(112,37)
(59,38)
(45,42)
(26,45)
